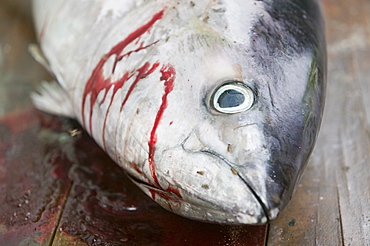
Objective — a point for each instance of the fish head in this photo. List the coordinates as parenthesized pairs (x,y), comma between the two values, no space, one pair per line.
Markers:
(212,107)
(233,142)
(233,125)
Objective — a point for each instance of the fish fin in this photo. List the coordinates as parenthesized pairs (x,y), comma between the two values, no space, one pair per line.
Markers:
(37,54)
(51,98)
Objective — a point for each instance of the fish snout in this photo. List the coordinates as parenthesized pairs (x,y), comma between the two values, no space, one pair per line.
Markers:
(255,165)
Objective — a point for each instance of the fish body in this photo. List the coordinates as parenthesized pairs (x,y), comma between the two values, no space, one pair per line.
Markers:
(212,107)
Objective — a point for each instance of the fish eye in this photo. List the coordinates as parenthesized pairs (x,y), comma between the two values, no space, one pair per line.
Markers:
(232,97)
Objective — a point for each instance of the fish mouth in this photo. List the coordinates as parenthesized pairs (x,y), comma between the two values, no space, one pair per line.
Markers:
(140,183)
(234,204)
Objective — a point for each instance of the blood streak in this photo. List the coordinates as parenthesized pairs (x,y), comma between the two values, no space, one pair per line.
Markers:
(96,83)
(174,190)
(143,72)
(168,75)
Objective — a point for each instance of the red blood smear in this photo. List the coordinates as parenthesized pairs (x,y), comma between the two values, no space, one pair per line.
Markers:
(168,75)
(143,72)
(134,166)
(174,190)
(96,83)
(33,176)
(174,204)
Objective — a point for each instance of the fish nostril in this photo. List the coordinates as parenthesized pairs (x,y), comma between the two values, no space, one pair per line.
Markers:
(193,143)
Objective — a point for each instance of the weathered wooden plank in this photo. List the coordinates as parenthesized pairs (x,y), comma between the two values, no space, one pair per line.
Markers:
(361,53)
(29,205)
(332,201)
(33,180)
(353,178)
(312,217)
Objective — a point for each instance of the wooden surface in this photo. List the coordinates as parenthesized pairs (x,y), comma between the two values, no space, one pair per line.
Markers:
(53,193)
(332,203)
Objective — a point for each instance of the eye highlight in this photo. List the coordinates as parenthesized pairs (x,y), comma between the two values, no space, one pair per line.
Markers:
(232,97)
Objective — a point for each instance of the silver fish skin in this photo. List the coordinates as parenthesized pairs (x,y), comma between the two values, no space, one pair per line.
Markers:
(212,107)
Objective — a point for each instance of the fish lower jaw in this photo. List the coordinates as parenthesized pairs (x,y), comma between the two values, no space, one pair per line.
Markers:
(199,209)
(209,213)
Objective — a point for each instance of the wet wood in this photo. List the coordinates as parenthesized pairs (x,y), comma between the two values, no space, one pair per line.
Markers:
(33,189)
(54,194)
(24,218)
(331,205)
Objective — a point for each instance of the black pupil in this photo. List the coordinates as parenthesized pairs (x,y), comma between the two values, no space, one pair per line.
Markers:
(230,99)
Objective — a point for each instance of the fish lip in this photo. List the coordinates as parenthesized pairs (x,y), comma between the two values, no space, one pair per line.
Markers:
(230,164)
(148,185)
(140,183)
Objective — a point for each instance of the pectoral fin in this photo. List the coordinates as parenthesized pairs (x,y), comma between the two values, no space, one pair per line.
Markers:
(52,98)
(37,54)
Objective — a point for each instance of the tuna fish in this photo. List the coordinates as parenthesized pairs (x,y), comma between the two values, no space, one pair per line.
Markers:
(212,107)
